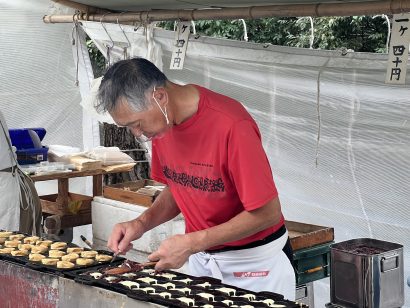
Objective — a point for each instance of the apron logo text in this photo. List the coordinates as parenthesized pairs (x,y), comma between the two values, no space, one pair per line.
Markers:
(250,274)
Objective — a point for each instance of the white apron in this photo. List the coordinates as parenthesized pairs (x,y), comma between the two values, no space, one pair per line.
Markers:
(9,202)
(263,268)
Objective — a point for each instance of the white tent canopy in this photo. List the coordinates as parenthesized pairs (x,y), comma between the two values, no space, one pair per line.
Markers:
(310,105)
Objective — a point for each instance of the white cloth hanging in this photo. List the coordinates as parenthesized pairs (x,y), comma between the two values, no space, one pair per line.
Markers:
(9,185)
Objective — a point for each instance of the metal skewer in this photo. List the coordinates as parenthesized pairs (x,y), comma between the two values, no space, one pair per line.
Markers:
(115,256)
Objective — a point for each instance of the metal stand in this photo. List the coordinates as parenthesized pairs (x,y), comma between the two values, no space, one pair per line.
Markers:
(305,294)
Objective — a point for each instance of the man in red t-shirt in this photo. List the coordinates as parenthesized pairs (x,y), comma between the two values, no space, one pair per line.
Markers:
(207,149)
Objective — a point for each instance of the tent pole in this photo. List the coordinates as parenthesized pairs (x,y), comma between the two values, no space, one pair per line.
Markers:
(254,12)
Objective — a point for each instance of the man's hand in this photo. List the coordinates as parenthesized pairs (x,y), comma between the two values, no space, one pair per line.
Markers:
(163,209)
(172,253)
(122,235)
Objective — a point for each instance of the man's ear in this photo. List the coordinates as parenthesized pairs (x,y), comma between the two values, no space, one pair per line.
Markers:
(162,96)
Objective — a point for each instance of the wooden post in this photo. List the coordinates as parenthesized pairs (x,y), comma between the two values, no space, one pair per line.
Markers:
(62,197)
(97,185)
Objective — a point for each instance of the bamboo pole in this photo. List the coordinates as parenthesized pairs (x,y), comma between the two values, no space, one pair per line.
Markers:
(254,12)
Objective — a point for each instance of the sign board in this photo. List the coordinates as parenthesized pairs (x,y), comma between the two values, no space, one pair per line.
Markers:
(180,43)
(398,49)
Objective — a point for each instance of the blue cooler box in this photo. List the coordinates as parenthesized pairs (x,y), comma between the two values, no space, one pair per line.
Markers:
(26,152)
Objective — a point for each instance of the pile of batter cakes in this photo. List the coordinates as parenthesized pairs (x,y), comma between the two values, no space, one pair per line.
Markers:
(33,249)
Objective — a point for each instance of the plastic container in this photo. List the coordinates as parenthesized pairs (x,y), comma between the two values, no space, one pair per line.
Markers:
(27,152)
(31,156)
(21,139)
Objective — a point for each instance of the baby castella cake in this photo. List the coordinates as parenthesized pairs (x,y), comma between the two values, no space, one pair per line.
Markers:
(24,246)
(13,243)
(39,249)
(31,240)
(45,243)
(16,237)
(89,254)
(71,257)
(103,258)
(56,253)
(6,250)
(65,264)
(84,261)
(19,253)
(58,245)
(5,234)
(74,249)
(36,257)
(49,261)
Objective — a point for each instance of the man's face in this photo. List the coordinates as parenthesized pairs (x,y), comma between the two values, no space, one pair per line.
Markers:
(149,123)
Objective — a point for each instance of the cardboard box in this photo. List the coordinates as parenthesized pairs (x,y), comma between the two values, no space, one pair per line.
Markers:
(127,192)
(77,204)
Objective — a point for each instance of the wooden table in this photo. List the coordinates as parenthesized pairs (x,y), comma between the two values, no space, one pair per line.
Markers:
(63,177)
(56,214)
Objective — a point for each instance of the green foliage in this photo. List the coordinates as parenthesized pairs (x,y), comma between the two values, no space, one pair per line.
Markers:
(96,57)
(359,33)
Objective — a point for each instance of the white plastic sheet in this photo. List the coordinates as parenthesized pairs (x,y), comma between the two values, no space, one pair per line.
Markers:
(37,73)
(37,79)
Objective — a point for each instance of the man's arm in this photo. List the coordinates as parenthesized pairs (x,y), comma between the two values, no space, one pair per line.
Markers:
(163,209)
(174,251)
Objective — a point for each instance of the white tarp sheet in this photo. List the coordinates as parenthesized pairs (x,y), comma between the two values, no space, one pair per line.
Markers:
(311,106)
(37,81)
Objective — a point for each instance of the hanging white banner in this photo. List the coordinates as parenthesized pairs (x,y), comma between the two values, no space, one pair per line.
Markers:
(180,44)
(399,49)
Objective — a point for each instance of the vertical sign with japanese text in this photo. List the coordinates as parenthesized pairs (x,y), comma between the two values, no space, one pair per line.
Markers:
(180,44)
(398,49)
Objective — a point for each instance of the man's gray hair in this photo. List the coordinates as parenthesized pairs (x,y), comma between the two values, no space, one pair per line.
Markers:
(130,80)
